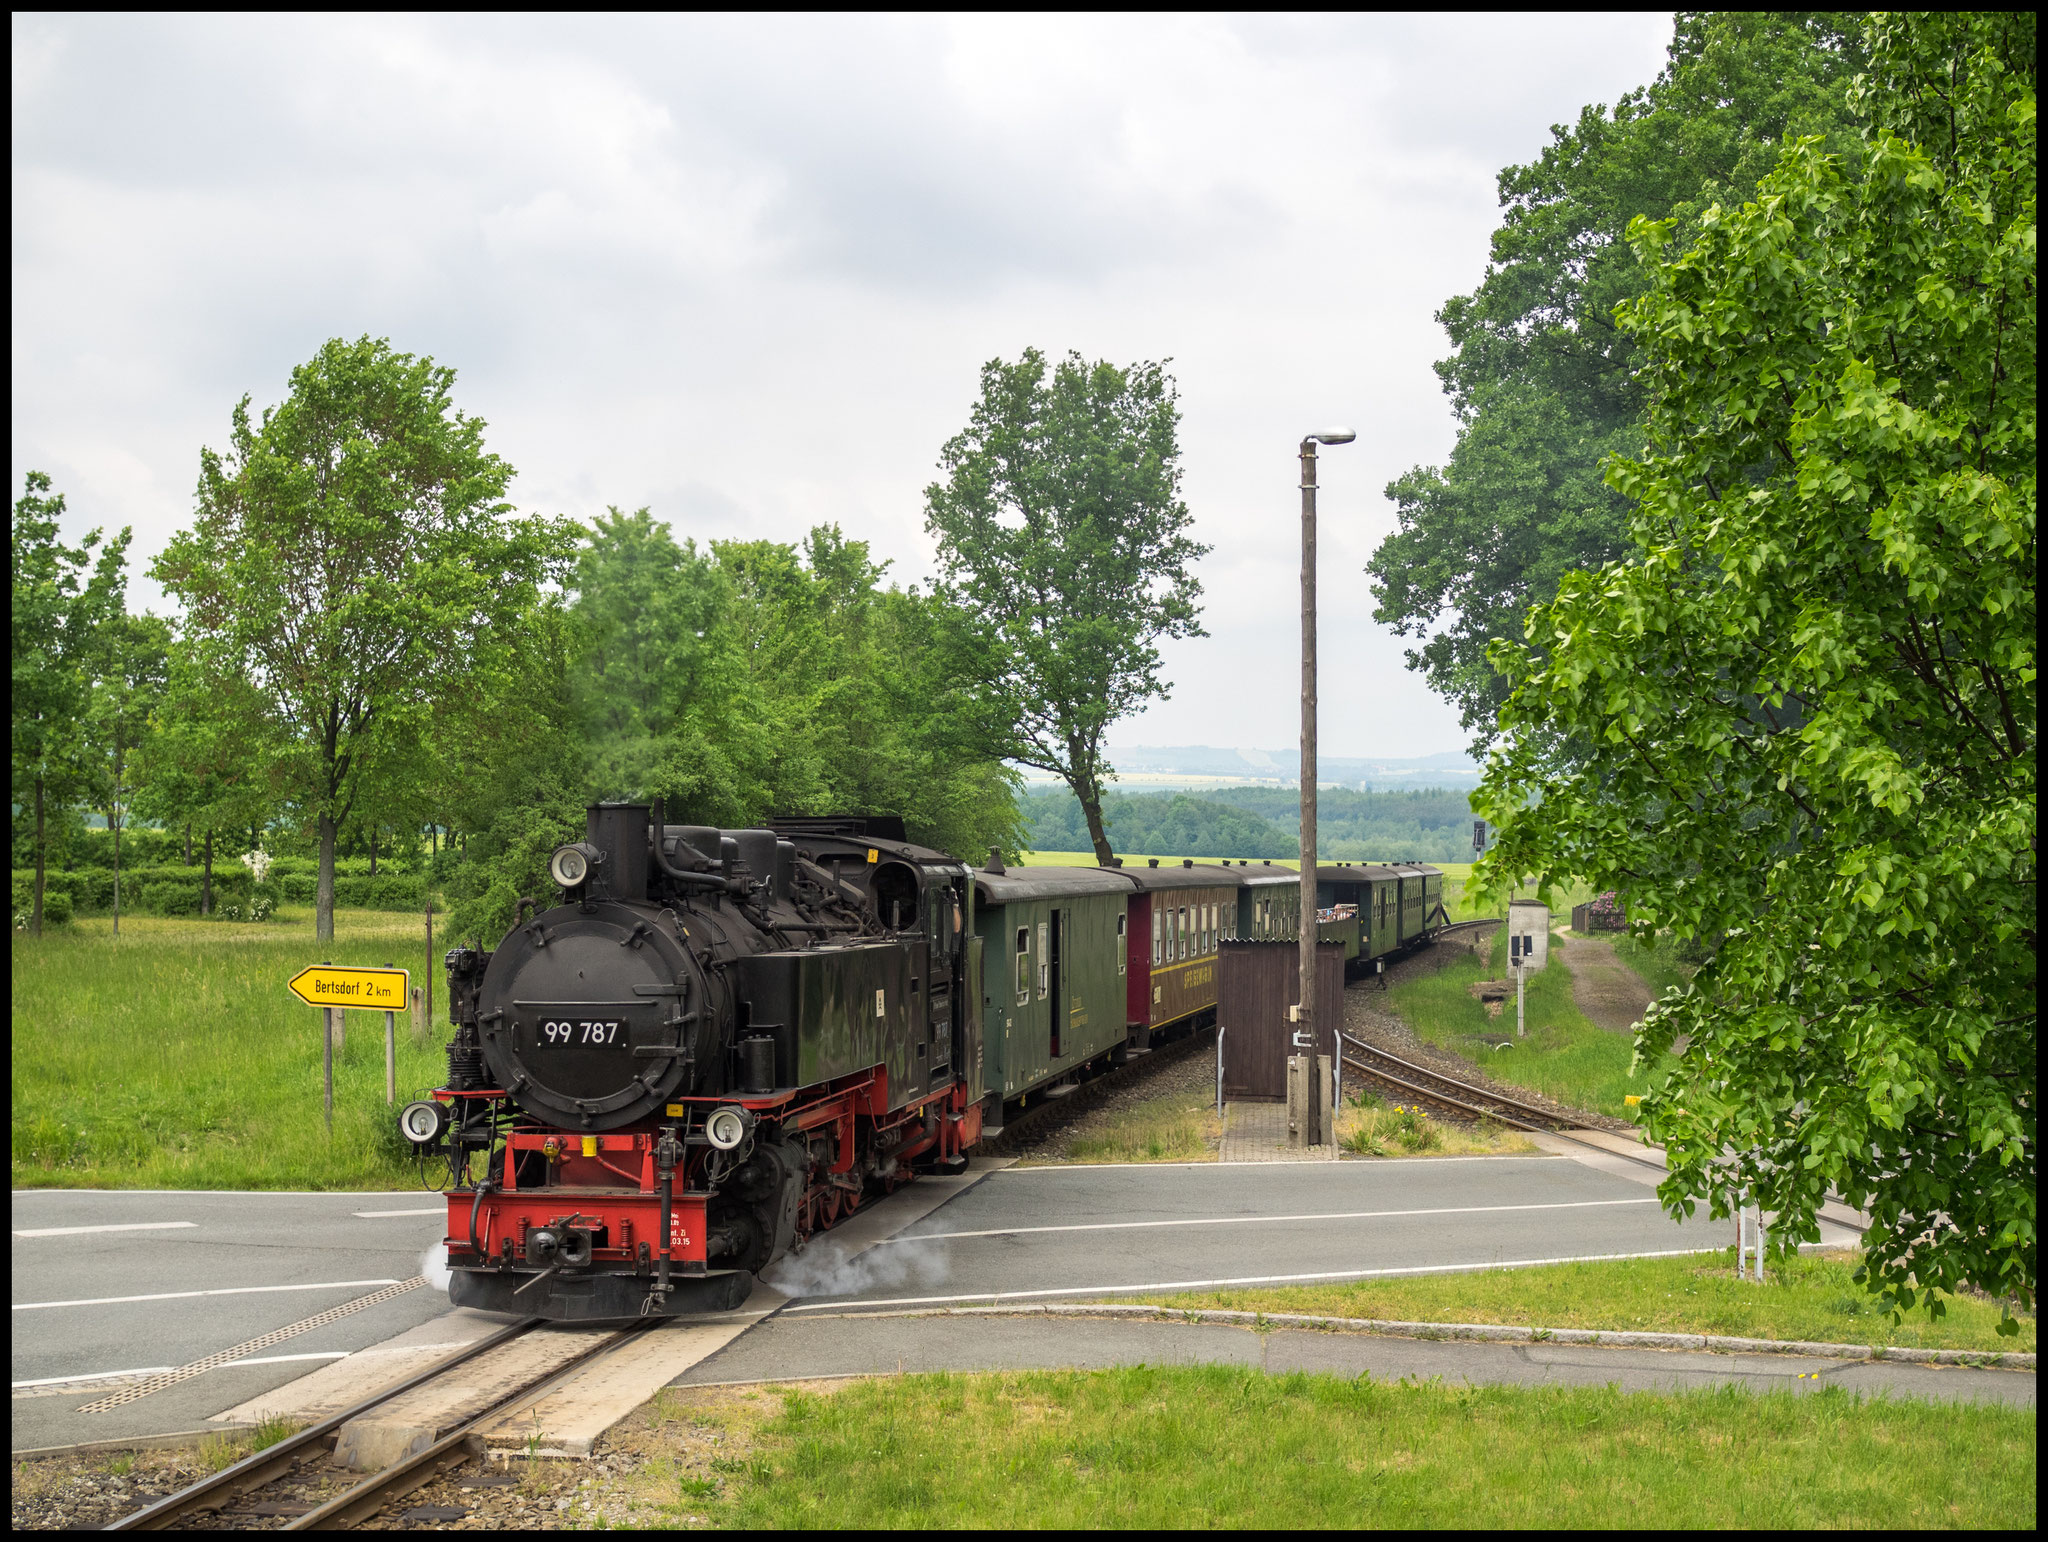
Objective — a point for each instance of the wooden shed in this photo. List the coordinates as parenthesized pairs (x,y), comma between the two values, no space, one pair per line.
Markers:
(1260,980)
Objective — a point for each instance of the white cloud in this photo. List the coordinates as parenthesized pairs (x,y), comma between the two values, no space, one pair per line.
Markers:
(746,269)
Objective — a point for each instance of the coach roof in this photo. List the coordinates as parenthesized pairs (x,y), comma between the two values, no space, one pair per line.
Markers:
(1035,883)
(1180,875)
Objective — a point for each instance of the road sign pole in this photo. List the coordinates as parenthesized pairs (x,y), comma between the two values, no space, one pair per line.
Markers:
(390,1054)
(327,1059)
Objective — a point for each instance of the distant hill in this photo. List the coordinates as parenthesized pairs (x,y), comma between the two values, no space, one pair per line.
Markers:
(1207,763)
(1425,825)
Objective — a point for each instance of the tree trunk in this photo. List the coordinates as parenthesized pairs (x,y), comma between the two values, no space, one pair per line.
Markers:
(323,896)
(1089,791)
(206,879)
(35,915)
(373,853)
(188,843)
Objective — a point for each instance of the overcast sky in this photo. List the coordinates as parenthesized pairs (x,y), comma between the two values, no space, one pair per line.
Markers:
(746,271)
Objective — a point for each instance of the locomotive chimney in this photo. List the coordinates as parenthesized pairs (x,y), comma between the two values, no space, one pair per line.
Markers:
(619,830)
(995,860)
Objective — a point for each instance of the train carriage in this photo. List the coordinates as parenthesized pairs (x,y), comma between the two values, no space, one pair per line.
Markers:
(1178,917)
(1054,972)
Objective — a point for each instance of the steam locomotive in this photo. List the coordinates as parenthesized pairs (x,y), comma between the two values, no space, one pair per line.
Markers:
(718,1043)
(721,1042)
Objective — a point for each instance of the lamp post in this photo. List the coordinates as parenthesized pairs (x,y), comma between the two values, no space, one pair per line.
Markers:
(1312,1119)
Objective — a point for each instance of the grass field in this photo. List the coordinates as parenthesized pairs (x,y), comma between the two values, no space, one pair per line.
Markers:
(1177,1447)
(175,1057)
(1811,1297)
(1565,1056)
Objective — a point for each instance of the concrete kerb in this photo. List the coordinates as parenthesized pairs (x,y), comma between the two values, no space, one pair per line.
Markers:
(1496,1333)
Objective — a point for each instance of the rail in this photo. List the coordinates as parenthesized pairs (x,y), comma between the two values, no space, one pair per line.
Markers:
(214,1493)
(1468,1100)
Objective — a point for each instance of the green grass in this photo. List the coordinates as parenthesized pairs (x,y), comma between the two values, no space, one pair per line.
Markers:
(1175,1447)
(1564,1056)
(1174,1128)
(1811,1297)
(174,1057)
(1369,1125)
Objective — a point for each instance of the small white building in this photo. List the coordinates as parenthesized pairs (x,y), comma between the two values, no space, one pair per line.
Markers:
(1528,934)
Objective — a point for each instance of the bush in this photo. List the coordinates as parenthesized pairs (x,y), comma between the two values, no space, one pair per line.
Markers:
(169,899)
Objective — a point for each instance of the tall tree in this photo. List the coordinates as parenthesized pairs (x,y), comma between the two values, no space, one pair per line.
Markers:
(354,558)
(1543,381)
(1061,527)
(198,766)
(58,612)
(1805,707)
(128,683)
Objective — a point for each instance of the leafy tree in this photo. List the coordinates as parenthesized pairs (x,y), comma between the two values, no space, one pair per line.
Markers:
(354,559)
(515,775)
(198,766)
(57,612)
(129,665)
(1809,694)
(1060,525)
(1543,381)
(644,605)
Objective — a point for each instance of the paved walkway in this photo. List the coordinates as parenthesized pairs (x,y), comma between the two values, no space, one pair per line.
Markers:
(871,1344)
(1257,1132)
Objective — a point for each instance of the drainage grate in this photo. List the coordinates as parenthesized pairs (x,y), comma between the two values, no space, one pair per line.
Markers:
(165,1379)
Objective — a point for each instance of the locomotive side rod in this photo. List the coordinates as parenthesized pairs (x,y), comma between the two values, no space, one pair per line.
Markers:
(261,1467)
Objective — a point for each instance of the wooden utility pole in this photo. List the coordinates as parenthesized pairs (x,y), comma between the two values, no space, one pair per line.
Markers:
(1304,1029)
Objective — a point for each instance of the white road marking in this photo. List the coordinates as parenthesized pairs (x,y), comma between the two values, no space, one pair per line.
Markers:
(385,1215)
(186,1295)
(1214,1166)
(58,1381)
(835,1302)
(158,1370)
(1262,1220)
(79,1231)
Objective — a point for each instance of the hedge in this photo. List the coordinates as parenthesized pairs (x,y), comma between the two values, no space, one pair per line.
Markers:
(174,891)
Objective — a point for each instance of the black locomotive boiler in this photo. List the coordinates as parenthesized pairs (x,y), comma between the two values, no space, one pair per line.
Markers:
(716,1044)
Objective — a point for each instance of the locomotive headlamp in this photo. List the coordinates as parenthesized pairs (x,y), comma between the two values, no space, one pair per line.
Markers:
(571,865)
(727,1127)
(422,1123)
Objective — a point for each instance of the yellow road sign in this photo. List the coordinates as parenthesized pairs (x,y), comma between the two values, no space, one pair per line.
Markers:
(337,985)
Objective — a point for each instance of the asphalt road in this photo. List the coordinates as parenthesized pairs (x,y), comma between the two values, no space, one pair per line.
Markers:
(223,1269)
(1047,1233)
(216,1270)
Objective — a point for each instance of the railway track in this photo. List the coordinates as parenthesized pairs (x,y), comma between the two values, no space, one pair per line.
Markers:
(1464,1100)
(232,1498)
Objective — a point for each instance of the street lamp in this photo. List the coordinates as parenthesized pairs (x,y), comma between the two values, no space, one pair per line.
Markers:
(1305,1033)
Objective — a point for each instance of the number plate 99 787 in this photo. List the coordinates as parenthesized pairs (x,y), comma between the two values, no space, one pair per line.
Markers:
(580,1033)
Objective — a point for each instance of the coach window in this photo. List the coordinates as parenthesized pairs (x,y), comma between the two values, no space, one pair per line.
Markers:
(1044,960)
(1123,954)
(1186,933)
(1023,965)
(1210,916)
(1158,934)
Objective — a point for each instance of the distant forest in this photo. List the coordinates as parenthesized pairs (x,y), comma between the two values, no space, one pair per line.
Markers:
(1428,825)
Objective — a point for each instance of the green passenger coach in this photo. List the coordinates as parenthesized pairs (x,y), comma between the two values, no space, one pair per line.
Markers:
(1054,968)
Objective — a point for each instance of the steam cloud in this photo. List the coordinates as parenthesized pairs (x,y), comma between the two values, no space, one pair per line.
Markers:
(825,1269)
(434,1265)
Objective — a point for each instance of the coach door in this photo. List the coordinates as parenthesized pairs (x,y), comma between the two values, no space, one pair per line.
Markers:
(1055,956)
